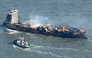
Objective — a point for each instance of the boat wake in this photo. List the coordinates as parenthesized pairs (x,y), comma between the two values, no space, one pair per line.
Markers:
(90,40)
(54,48)
(48,51)
(39,51)
(12,31)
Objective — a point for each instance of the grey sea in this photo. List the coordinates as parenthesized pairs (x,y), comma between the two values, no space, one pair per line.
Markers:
(75,13)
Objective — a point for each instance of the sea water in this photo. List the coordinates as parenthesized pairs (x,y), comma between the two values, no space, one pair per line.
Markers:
(75,13)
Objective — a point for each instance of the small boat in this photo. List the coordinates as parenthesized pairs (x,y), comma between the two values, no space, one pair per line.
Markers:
(22,43)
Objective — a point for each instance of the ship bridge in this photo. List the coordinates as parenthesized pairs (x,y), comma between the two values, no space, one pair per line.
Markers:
(12,16)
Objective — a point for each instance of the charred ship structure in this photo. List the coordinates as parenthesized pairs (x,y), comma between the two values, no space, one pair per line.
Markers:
(63,31)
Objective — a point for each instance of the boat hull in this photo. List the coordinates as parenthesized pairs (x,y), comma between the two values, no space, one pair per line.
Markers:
(66,34)
(22,46)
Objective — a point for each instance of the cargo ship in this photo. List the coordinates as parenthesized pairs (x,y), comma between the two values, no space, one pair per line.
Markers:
(63,31)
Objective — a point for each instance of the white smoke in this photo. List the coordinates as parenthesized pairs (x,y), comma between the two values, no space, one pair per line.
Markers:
(39,19)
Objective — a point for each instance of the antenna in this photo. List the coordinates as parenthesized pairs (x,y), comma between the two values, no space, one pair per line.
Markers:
(11,8)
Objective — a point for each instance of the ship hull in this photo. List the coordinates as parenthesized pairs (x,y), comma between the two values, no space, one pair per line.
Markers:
(54,33)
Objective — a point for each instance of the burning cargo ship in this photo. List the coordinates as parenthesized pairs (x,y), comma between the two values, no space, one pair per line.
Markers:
(63,31)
